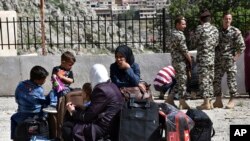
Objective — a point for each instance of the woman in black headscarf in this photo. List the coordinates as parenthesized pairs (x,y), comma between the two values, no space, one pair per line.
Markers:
(124,72)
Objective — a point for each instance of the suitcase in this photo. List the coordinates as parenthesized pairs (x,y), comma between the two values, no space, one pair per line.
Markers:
(139,121)
(76,97)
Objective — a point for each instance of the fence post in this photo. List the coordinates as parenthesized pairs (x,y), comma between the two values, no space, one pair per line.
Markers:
(164,30)
(42,25)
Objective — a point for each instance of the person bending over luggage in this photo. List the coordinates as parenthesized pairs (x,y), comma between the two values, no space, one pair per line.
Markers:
(29,96)
(62,77)
(124,72)
(94,122)
(165,80)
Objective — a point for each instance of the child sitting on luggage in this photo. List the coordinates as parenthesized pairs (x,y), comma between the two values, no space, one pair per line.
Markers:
(29,96)
(62,77)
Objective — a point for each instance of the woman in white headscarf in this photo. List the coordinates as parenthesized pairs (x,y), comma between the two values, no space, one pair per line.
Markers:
(94,122)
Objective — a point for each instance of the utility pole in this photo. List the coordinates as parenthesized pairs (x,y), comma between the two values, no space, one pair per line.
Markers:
(42,27)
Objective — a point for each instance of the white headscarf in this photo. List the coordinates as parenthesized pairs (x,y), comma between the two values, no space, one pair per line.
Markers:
(98,74)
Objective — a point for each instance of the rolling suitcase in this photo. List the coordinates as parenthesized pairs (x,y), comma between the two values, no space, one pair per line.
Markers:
(139,121)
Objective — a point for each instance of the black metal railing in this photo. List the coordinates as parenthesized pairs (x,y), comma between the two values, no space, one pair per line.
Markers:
(83,33)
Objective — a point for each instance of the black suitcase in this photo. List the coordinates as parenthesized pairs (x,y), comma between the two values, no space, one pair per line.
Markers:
(139,121)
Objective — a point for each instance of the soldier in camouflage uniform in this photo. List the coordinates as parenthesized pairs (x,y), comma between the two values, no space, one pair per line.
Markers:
(206,38)
(231,45)
(180,59)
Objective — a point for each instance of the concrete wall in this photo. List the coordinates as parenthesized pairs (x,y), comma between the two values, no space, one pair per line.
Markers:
(8,33)
(15,69)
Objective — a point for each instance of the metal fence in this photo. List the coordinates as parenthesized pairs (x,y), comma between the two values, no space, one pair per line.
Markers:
(102,32)
(81,33)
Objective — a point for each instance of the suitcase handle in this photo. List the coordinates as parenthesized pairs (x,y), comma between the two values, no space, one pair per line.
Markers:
(139,103)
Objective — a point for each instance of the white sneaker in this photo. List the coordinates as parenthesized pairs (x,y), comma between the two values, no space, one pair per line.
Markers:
(50,109)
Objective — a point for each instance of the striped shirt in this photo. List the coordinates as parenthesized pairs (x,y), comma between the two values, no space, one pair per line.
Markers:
(164,76)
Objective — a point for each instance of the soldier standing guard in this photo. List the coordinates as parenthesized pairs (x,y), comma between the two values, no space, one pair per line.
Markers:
(206,38)
(180,60)
(231,45)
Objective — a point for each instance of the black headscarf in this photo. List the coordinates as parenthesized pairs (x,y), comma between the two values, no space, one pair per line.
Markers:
(127,53)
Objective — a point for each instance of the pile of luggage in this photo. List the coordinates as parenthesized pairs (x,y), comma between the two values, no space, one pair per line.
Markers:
(145,120)
(140,119)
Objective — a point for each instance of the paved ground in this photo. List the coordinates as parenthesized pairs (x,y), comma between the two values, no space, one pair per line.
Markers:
(222,118)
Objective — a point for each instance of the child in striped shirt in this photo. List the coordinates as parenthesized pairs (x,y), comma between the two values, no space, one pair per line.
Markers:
(165,80)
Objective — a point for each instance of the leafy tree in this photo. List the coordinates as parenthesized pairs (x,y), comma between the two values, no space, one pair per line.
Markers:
(182,7)
(190,9)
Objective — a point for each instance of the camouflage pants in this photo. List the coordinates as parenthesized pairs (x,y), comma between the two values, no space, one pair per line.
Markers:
(206,77)
(221,67)
(181,79)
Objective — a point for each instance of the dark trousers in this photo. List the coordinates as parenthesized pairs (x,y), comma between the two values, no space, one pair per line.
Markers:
(81,132)
(67,131)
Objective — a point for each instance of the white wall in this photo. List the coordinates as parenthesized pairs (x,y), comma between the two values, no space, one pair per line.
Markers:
(15,69)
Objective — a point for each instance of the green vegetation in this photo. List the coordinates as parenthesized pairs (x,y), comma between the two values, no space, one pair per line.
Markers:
(130,14)
(190,9)
(55,1)
(62,7)
(59,3)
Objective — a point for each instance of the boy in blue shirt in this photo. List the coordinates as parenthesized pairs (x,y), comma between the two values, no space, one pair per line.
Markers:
(29,96)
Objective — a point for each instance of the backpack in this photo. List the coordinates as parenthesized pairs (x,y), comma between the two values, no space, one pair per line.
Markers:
(31,127)
(177,126)
(203,129)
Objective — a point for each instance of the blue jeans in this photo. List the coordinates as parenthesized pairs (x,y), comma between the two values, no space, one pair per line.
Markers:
(53,96)
(18,118)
